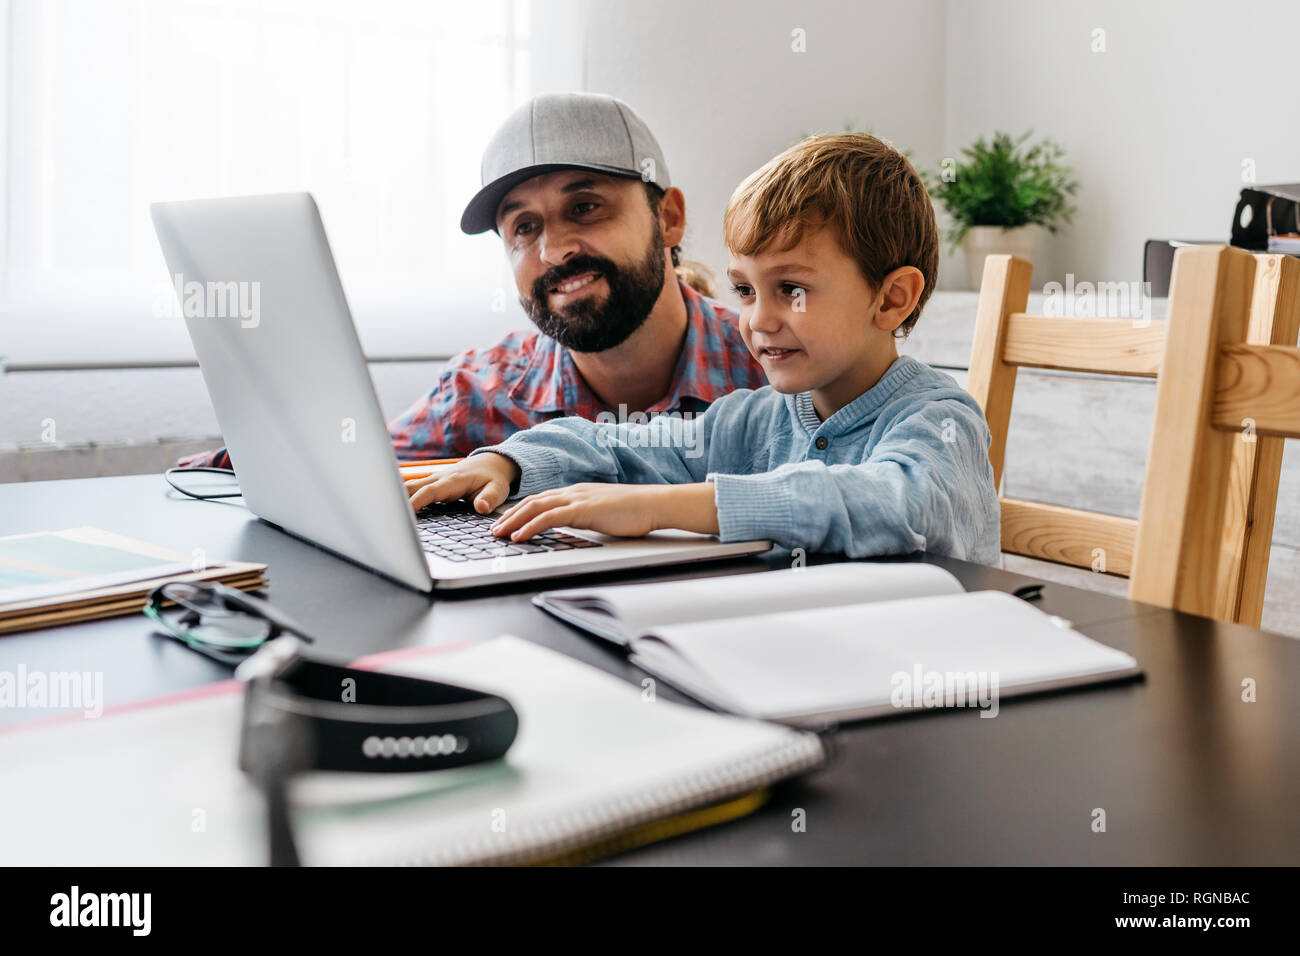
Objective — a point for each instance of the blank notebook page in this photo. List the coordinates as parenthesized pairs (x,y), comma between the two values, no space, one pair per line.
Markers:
(160,784)
(843,658)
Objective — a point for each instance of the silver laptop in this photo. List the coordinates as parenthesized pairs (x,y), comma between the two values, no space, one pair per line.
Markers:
(282,363)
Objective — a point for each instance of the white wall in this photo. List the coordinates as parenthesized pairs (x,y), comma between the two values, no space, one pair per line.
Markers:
(1157,126)
(723,91)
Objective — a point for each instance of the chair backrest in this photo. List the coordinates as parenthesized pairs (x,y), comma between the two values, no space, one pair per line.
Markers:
(1202,537)
(1227,396)
(1006,339)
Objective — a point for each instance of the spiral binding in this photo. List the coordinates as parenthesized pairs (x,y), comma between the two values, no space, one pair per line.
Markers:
(584,826)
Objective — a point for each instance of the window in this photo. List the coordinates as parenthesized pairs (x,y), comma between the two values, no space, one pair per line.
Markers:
(380,108)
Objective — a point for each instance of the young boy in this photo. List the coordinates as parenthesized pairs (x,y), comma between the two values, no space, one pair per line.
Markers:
(851,449)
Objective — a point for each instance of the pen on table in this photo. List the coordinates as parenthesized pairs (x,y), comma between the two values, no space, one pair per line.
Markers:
(1029,592)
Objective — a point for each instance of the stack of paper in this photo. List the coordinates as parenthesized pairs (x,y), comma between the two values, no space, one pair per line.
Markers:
(81,574)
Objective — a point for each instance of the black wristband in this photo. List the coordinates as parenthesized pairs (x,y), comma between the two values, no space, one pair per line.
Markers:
(357,720)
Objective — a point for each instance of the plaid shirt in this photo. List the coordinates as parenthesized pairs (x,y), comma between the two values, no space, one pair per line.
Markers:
(485,395)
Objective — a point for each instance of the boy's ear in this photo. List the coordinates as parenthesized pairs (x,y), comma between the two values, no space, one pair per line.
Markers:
(900,290)
(672,217)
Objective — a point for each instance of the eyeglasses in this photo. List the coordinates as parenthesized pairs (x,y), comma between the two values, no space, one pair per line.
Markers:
(217,621)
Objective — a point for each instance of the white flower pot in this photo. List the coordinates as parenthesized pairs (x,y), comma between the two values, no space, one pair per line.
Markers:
(981,241)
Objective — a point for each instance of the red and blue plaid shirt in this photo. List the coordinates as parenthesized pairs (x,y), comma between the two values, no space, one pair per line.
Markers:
(485,395)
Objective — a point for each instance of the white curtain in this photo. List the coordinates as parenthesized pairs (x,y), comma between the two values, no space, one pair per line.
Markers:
(380,108)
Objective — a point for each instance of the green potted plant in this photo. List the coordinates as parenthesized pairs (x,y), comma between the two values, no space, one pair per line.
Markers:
(1001,195)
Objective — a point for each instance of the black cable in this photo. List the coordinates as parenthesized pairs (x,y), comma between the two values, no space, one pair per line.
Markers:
(283,850)
(278,747)
(230,472)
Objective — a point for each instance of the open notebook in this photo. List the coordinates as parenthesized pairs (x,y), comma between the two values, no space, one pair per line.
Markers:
(595,760)
(840,642)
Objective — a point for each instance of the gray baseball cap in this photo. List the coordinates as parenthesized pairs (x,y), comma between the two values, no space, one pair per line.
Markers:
(563,131)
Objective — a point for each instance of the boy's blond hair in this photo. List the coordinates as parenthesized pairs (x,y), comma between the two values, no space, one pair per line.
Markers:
(857,185)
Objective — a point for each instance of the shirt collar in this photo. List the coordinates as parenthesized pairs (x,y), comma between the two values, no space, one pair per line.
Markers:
(551,381)
(863,408)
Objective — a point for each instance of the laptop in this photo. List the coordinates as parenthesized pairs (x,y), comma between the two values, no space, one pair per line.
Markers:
(297,409)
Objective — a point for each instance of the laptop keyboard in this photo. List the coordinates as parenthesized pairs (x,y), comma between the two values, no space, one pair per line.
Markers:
(456,532)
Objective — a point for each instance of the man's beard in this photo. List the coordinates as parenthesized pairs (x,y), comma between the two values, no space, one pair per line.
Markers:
(592,325)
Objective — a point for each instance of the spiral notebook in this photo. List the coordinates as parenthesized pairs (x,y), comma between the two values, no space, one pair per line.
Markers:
(597,760)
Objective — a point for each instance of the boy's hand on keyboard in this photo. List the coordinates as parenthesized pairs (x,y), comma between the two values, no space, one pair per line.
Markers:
(628,511)
(485,478)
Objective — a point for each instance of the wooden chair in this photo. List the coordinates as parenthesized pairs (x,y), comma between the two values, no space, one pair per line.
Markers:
(1211,297)
(1227,397)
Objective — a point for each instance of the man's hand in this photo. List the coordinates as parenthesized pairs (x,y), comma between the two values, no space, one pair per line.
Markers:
(624,510)
(486,477)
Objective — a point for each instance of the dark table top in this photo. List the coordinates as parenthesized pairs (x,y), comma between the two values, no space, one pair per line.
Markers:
(1187,772)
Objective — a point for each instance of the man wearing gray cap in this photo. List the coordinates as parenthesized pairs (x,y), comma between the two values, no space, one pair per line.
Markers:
(577,187)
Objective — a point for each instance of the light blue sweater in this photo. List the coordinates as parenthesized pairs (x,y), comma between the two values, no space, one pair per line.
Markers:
(903,467)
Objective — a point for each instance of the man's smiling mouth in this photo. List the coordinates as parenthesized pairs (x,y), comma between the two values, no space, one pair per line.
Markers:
(570,286)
